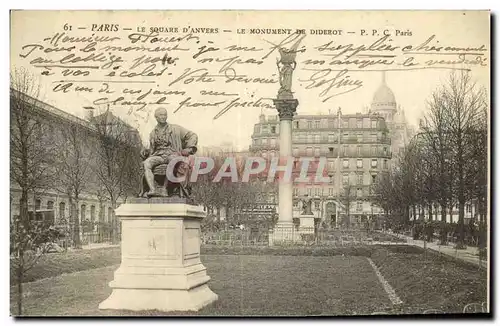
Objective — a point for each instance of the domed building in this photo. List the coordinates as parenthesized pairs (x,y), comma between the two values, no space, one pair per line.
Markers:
(384,103)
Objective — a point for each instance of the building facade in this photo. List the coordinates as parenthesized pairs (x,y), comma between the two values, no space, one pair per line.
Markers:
(357,147)
(52,202)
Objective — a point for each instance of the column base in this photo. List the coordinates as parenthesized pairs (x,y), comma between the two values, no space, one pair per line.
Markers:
(284,233)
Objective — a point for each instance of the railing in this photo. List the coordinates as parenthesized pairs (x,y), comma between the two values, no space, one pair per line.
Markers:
(302,236)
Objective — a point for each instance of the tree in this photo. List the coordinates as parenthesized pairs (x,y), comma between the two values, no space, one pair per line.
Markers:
(464,104)
(73,168)
(346,198)
(116,160)
(31,153)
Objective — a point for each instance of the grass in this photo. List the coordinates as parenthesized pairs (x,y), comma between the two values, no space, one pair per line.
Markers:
(54,264)
(430,281)
(246,285)
(274,281)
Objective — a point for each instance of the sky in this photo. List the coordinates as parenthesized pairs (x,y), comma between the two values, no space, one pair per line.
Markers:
(222,29)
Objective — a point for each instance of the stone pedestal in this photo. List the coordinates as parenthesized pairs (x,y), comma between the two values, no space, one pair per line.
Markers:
(161,267)
(306,224)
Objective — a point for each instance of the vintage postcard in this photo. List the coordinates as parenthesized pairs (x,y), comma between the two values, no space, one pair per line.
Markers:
(249,163)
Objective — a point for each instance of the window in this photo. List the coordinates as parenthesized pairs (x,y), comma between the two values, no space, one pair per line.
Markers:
(358,151)
(50,204)
(385,150)
(330,150)
(345,135)
(295,192)
(317,138)
(331,165)
(332,180)
(309,138)
(316,205)
(295,152)
(317,124)
(82,212)
(296,124)
(316,152)
(359,123)
(92,213)
(331,138)
(62,209)
(317,191)
(385,164)
(345,179)
(309,151)
(309,124)
(360,179)
(344,150)
(330,192)
(273,129)
(374,163)
(264,141)
(331,123)
(345,163)
(359,192)
(374,123)
(273,141)
(359,163)
(38,204)
(264,129)
(373,137)
(359,206)
(256,129)
(359,137)
(374,178)
(469,208)
(374,151)
(309,192)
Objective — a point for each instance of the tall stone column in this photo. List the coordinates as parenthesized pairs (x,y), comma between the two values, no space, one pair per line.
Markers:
(286,109)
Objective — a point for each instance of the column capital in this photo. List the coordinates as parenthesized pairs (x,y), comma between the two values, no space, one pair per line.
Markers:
(286,108)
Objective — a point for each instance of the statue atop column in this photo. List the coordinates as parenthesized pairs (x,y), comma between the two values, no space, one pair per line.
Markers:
(286,65)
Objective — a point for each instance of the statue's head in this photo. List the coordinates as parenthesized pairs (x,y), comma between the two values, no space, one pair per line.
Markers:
(161,115)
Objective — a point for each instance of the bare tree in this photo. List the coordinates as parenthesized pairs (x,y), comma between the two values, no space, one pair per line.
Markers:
(465,104)
(116,160)
(74,169)
(346,198)
(31,157)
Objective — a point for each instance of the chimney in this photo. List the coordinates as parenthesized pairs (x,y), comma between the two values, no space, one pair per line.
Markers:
(89,113)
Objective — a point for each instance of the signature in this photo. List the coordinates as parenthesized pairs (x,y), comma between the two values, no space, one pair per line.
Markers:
(331,84)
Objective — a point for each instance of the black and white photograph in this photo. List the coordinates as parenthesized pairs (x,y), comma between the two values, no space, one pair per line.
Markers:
(293,163)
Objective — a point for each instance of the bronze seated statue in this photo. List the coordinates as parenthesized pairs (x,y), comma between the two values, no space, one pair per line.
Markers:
(165,187)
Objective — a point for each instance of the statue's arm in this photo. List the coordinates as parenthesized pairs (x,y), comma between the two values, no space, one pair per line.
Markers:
(189,140)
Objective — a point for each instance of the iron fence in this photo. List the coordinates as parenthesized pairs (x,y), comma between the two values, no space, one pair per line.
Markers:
(298,236)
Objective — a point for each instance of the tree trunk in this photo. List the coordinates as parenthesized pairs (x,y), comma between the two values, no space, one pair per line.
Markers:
(114,224)
(443,212)
(77,244)
(20,279)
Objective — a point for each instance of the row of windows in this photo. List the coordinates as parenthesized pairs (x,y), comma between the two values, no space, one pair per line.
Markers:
(83,210)
(320,124)
(358,205)
(358,123)
(350,179)
(345,151)
(310,138)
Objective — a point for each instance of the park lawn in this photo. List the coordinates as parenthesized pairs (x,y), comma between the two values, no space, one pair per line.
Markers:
(430,281)
(246,285)
(54,264)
